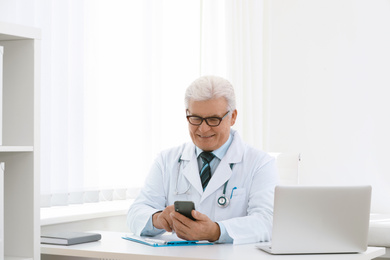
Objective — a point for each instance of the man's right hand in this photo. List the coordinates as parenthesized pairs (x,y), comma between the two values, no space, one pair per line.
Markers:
(162,219)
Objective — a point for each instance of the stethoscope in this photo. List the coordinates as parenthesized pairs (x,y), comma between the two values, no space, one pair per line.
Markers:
(222,201)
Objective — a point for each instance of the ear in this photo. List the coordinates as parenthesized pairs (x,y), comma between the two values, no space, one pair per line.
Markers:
(234,116)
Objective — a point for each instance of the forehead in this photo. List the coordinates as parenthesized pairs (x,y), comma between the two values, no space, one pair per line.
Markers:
(211,107)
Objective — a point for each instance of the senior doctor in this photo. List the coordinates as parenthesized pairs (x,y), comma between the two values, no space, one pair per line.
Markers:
(235,204)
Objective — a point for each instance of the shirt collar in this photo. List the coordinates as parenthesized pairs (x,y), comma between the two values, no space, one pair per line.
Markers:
(221,151)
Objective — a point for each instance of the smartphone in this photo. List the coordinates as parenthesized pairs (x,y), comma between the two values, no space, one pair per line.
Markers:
(185,208)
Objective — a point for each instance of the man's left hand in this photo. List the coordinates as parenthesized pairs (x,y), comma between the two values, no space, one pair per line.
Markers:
(203,228)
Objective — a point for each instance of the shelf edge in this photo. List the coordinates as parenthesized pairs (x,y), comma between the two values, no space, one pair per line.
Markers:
(16,258)
(16,148)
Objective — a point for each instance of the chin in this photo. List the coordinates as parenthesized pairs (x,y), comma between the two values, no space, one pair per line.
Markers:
(205,144)
(205,147)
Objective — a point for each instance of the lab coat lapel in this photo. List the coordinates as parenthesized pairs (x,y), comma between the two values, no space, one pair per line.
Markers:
(191,169)
(220,176)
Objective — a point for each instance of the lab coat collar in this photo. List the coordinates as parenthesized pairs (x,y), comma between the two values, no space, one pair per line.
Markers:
(235,152)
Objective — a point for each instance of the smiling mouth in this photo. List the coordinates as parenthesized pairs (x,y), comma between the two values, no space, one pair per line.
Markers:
(205,136)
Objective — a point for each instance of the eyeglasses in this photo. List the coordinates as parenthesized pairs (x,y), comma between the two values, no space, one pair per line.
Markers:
(210,121)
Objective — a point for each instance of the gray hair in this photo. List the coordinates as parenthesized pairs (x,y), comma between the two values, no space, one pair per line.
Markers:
(210,87)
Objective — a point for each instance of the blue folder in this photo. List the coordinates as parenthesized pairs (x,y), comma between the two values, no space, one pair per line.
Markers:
(164,240)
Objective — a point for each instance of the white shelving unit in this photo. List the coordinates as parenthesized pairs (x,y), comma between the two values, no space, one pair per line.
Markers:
(20,140)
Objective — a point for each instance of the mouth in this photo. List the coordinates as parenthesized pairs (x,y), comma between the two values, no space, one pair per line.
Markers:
(205,136)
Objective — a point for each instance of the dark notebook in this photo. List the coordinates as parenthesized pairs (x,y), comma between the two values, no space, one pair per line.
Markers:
(69,238)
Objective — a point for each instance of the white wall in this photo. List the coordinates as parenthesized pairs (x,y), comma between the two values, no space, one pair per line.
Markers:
(328,84)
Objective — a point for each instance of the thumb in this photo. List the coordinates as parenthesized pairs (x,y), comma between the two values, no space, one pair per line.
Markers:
(199,216)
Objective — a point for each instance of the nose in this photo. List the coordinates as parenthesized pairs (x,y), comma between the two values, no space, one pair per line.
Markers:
(204,127)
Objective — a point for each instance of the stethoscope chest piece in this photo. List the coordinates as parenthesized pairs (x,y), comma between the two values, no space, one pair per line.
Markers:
(223,202)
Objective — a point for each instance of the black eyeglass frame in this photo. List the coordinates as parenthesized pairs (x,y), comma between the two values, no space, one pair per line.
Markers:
(207,118)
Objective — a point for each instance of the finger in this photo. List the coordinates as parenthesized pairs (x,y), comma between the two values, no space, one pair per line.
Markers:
(167,226)
(181,218)
(170,224)
(195,215)
(166,222)
(181,230)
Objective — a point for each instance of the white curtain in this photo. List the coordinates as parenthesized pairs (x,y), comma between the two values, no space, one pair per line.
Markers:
(232,46)
(62,102)
(114,74)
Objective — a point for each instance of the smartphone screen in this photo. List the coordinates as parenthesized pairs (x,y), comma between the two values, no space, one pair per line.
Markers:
(185,208)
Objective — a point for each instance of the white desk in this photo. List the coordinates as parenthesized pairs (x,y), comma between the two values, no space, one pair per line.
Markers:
(112,246)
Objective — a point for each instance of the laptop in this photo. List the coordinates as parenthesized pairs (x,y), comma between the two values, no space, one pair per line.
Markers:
(319,220)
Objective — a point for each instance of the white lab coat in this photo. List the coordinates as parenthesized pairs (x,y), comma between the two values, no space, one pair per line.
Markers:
(175,176)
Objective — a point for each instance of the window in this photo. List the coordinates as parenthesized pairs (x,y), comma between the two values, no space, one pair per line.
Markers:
(112,70)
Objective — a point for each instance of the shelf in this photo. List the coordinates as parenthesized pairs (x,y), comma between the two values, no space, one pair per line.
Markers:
(16,258)
(16,149)
(10,32)
(19,86)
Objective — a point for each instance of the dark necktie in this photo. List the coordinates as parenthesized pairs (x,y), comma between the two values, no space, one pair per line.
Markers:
(205,172)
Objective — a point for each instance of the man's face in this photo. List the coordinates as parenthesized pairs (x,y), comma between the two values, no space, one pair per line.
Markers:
(204,136)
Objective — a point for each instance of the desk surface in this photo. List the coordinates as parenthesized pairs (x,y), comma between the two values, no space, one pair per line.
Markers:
(112,246)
